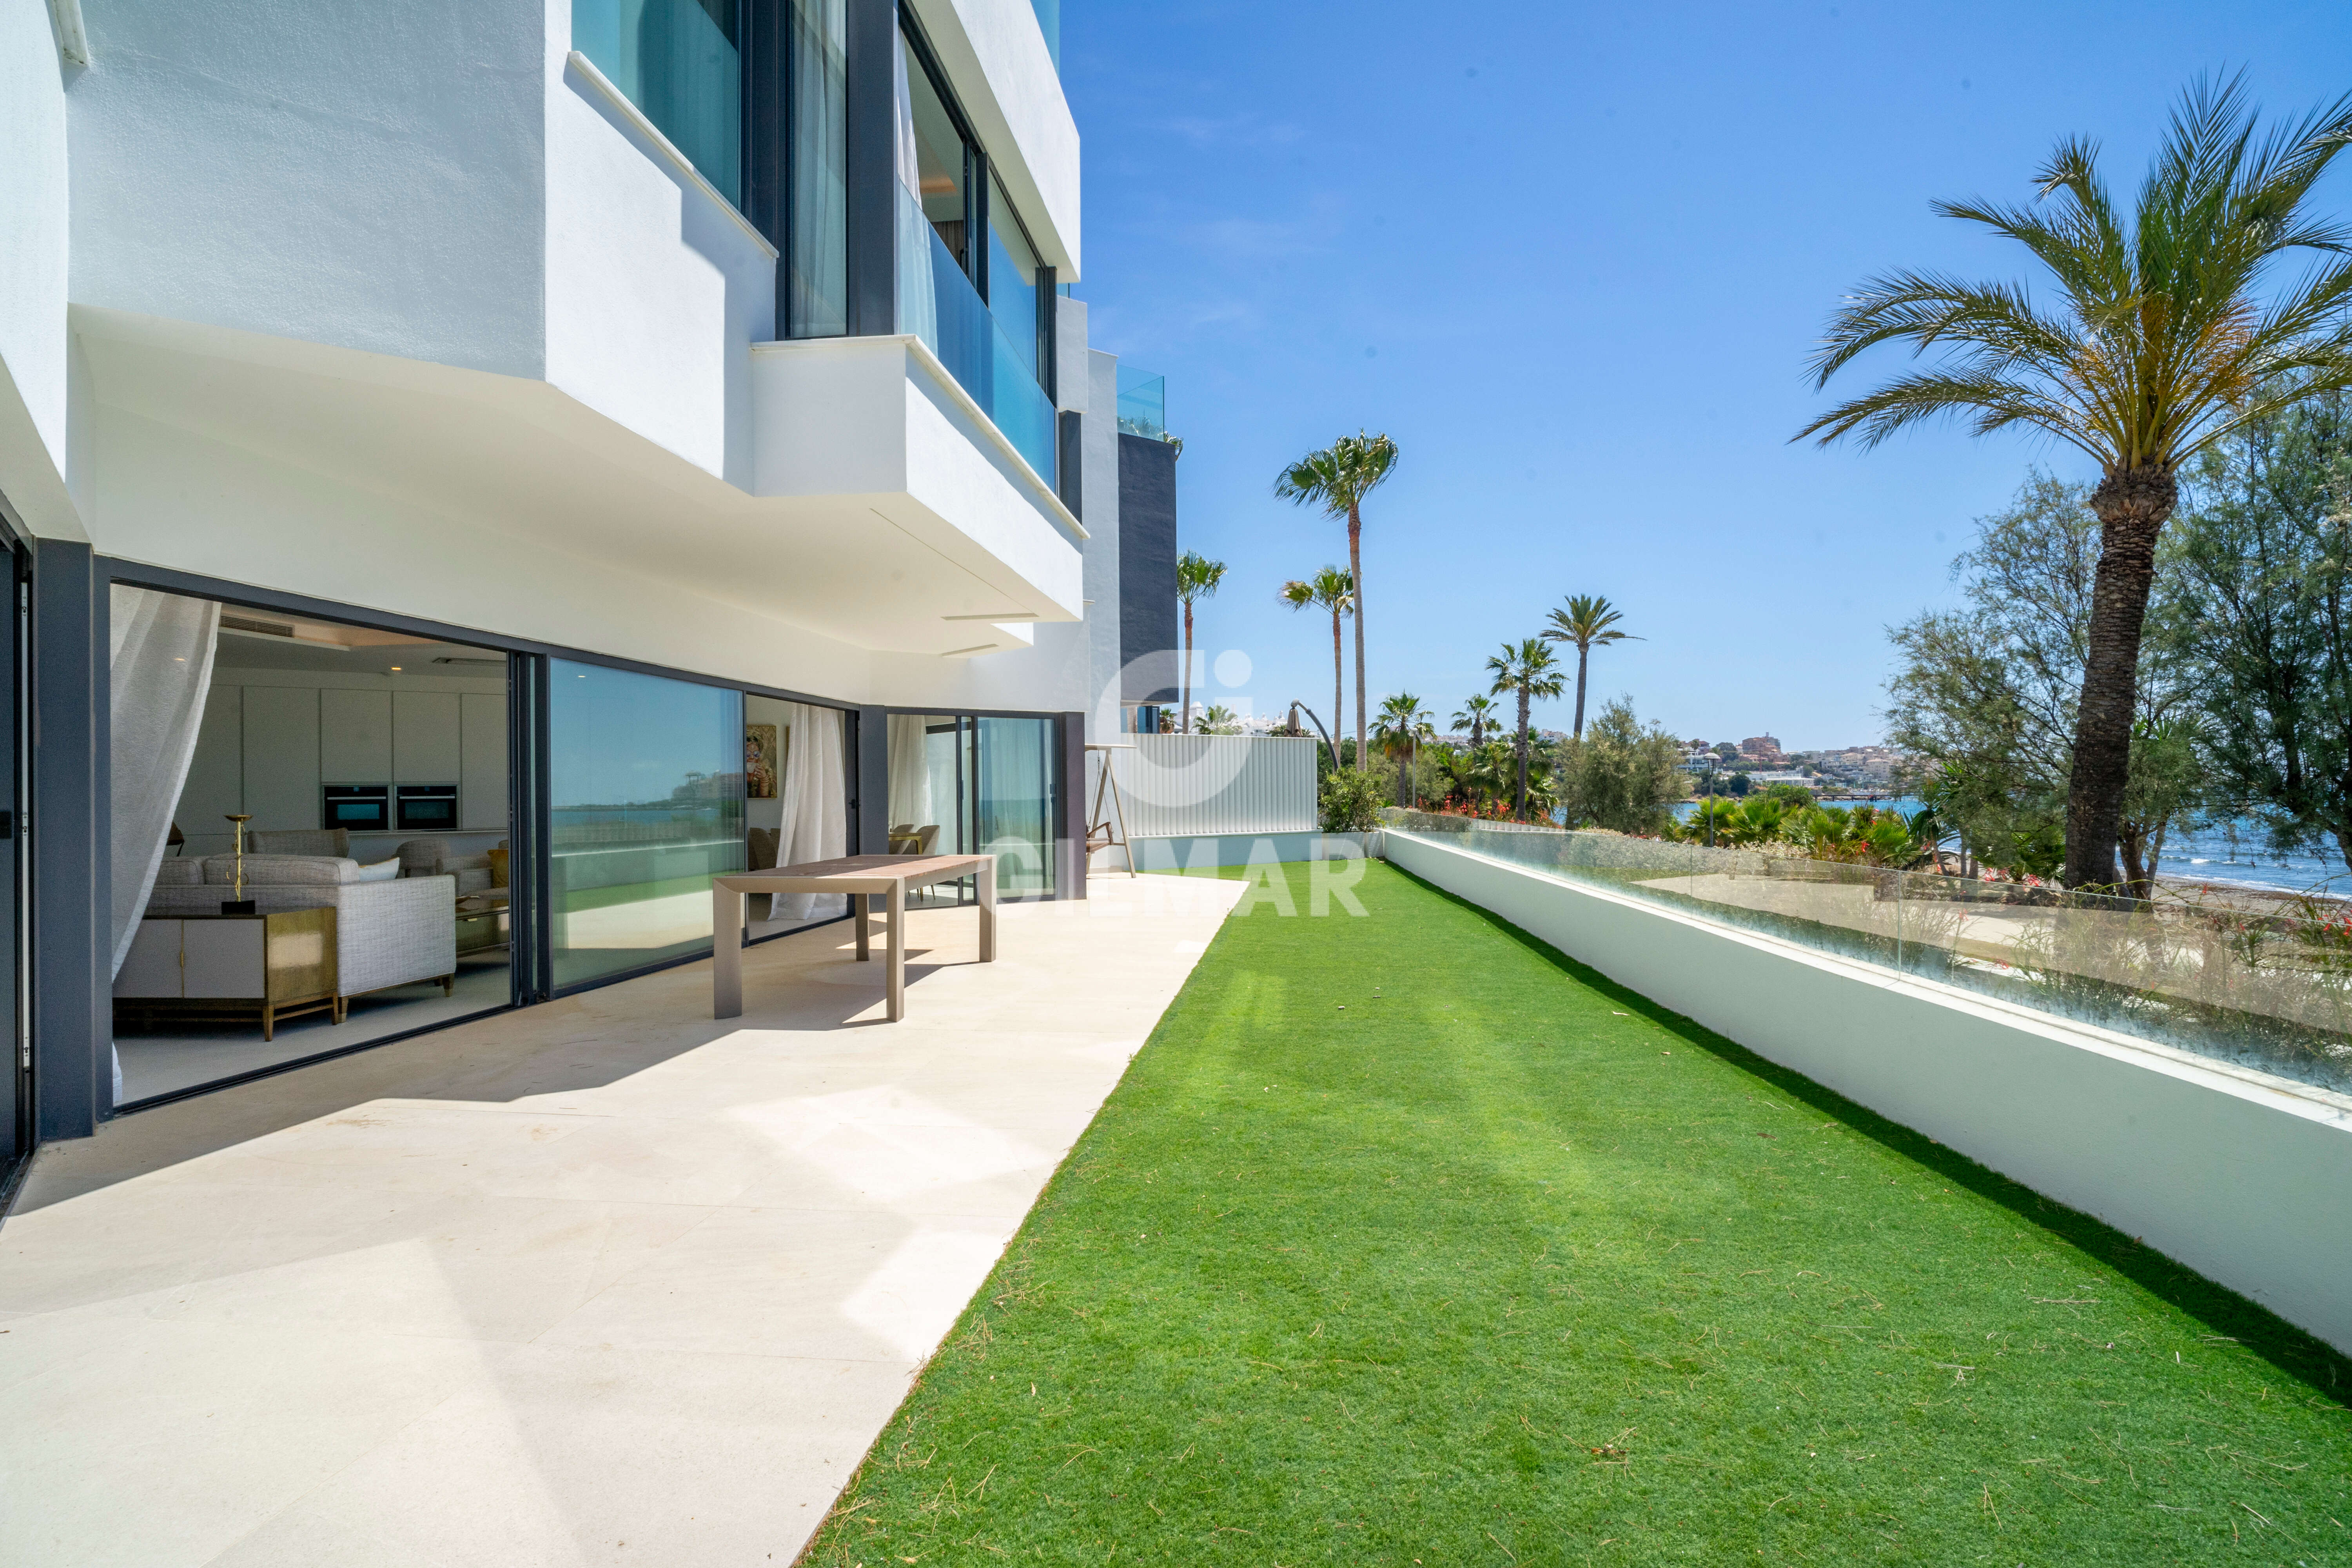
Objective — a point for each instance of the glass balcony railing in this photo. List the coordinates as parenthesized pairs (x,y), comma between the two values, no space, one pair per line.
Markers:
(1049,22)
(2260,982)
(678,60)
(1142,403)
(937,304)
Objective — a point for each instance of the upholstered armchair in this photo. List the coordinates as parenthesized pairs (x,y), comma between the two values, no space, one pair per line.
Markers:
(476,874)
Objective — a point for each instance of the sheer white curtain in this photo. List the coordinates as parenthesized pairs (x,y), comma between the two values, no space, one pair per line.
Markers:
(160,666)
(910,771)
(919,306)
(816,805)
(818,283)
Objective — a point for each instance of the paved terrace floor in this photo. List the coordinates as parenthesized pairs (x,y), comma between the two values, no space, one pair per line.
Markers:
(600,1281)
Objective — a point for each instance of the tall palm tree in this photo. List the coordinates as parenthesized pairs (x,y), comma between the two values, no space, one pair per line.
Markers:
(1589,620)
(1337,478)
(1403,725)
(2164,336)
(1333,590)
(1528,668)
(1479,713)
(1197,577)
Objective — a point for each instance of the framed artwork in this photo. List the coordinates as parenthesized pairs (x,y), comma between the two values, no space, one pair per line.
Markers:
(763,760)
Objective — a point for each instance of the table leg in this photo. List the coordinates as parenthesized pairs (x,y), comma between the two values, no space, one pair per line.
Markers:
(897,906)
(858,910)
(726,952)
(987,880)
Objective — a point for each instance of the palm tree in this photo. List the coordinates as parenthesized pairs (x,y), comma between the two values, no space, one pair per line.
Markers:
(1478,714)
(1333,590)
(1197,577)
(1337,478)
(1588,619)
(1220,719)
(1403,725)
(2162,339)
(1530,669)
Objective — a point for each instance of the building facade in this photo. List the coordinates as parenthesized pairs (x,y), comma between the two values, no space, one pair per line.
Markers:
(472,472)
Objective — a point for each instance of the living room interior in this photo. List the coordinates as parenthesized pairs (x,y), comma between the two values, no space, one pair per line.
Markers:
(309,839)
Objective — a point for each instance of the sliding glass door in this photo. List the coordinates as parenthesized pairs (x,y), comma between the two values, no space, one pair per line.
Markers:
(963,783)
(645,787)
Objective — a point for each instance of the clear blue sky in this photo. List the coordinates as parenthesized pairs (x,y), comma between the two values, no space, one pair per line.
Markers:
(1572,257)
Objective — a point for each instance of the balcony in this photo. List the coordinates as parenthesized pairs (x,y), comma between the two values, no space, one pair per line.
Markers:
(1142,402)
(939,306)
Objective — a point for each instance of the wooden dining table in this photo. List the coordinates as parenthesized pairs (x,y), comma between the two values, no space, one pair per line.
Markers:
(864,878)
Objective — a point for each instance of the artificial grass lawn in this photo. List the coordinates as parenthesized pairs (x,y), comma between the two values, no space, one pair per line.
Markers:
(1406,1240)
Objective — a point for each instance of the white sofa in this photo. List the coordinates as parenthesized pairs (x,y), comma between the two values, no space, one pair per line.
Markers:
(392,932)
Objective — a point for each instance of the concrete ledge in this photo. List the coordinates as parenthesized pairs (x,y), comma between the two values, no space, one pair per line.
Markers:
(1201,851)
(2244,1177)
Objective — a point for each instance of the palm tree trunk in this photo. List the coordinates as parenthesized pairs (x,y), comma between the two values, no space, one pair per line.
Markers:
(2132,507)
(1356,577)
(1522,807)
(1184,676)
(1339,687)
(1584,652)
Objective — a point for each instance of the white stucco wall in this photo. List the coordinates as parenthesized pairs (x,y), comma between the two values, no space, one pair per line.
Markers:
(654,287)
(174,497)
(34,222)
(876,416)
(2245,1178)
(995,60)
(370,176)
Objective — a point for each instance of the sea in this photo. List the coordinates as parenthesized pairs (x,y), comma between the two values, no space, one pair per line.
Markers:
(2229,853)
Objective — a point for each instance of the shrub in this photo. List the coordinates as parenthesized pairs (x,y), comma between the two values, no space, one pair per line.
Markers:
(1352,800)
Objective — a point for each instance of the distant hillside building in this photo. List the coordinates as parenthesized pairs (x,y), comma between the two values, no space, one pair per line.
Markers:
(1762,749)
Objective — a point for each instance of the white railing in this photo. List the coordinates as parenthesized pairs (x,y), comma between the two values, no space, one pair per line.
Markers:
(1180,787)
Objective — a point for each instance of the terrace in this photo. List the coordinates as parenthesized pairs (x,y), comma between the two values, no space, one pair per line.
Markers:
(1408,1236)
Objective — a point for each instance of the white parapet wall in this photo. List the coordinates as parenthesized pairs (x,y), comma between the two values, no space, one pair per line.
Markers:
(2244,1177)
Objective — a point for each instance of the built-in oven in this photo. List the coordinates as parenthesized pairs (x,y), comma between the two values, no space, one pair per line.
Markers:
(359,808)
(426,808)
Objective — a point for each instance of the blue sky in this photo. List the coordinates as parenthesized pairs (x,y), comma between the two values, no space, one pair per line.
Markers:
(1572,257)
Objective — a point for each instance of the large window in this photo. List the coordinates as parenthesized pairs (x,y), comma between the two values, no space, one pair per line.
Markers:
(942,163)
(645,779)
(311,838)
(815,246)
(961,784)
(681,61)
(1012,277)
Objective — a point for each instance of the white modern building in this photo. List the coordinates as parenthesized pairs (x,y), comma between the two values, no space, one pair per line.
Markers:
(504,462)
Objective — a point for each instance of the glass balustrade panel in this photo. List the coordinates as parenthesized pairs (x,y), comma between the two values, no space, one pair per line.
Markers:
(681,61)
(938,304)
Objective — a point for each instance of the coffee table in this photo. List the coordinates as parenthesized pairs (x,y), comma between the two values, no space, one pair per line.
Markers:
(863,877)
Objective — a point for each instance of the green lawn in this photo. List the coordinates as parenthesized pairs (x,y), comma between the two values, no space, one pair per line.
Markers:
(1407,1240)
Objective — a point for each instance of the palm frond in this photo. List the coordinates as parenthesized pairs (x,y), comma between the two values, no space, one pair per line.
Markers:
(1991,403)
(2166,338)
